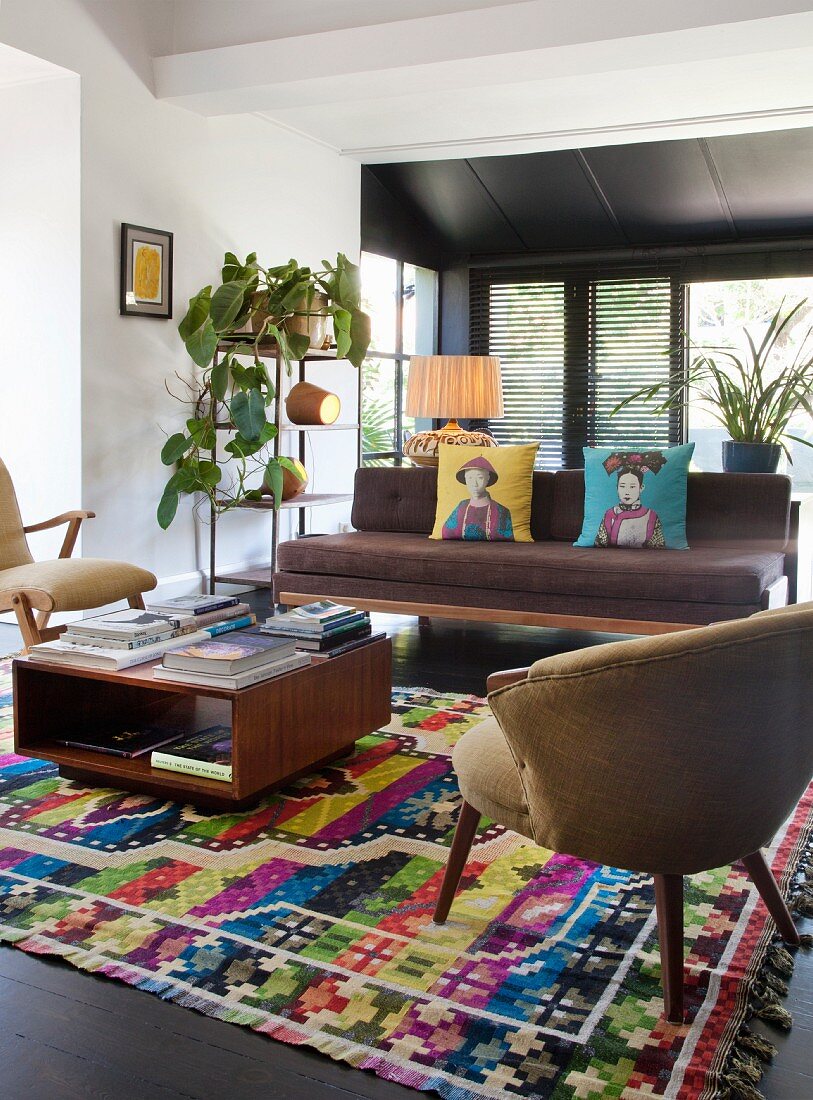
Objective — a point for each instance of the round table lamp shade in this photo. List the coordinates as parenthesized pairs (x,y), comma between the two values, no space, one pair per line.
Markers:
(454,386)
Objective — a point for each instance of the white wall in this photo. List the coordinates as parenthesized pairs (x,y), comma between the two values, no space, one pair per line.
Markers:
(229,183)
(39,299)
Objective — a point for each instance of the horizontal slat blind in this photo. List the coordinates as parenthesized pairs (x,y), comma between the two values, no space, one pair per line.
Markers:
(571,349)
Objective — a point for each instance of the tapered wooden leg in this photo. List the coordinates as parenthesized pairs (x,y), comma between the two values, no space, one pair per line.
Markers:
(25,619)
(669,907)
(458,854)
(762,878)
(136,601)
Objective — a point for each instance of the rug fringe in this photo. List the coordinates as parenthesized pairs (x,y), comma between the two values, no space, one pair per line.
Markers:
(745,1064)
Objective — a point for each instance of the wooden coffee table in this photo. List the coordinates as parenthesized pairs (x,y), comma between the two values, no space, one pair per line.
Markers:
(281,728)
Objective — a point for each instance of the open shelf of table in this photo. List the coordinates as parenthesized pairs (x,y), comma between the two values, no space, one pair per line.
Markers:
(281,728)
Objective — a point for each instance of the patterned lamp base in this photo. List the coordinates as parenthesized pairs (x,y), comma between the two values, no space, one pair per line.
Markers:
(422,448)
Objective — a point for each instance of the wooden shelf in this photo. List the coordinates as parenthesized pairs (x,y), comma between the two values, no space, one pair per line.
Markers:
(270,350)
(319,427)
(304,500)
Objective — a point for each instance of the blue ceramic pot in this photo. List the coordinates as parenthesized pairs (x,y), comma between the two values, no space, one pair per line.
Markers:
(750,458)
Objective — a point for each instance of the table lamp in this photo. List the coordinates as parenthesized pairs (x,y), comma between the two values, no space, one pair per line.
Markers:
(465,386)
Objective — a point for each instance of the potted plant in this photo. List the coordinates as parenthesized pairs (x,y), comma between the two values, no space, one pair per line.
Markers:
(753,396)
(253,305)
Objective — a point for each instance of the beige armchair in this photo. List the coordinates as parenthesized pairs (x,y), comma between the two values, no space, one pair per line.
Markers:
(668,755)
(66,584)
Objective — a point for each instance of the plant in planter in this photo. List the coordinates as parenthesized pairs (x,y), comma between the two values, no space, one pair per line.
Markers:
(251,306)
(754,396)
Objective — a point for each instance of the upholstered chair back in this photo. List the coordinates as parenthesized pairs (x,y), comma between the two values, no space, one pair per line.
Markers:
(13,546)
(671,754)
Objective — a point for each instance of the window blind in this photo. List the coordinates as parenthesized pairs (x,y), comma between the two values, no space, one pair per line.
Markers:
(571,348)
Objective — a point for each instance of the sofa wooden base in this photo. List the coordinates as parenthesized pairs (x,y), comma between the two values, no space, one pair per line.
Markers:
(491,614)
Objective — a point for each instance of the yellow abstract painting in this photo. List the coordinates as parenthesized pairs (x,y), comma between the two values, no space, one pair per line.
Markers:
(147,272)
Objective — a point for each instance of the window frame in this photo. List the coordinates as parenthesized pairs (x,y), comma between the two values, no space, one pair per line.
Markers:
(398,356)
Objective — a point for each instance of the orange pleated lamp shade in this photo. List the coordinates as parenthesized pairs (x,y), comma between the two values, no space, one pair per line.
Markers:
(459,386)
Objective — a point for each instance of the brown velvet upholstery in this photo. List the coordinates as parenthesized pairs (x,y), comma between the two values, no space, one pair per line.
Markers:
(668,755)
(718,573)
(737,525)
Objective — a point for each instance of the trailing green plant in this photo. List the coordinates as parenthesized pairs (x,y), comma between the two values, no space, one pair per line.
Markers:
(754,396)
(234,395)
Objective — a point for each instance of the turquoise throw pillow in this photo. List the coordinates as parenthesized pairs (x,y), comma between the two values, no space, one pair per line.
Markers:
(635,498)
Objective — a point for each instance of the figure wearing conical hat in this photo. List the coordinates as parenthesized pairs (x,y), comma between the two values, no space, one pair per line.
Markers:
(479,517)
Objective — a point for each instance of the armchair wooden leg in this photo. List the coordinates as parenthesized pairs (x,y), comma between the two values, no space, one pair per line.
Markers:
(458,854)
(136,601)
(762,877)
(25,619)
(669,907)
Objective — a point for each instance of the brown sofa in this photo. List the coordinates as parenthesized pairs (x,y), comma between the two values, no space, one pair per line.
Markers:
(737,526)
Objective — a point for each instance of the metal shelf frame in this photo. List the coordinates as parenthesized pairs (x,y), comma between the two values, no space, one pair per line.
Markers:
(305,500)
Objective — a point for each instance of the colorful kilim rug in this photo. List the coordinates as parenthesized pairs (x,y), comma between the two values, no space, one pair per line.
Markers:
(309,918)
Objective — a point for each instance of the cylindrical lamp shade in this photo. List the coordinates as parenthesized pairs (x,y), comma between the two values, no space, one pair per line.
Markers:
(460,386)
(309,404)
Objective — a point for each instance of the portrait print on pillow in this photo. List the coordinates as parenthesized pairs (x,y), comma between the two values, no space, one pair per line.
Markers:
(484,493)
(635,497)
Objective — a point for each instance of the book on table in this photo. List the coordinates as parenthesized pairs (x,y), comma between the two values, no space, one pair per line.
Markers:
(132,623)
(194,605)
(338,648)
(229,656)
(206,753)
(239,680)
(322,642)
(128,743)
(76,655)
(278,624)
(315,617)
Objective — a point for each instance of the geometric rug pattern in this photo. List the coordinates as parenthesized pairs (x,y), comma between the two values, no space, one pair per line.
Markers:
(309,918)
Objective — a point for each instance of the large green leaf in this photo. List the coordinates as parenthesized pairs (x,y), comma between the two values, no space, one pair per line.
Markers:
(227,301)
(341,330)
(231,267)
(273,479)
(298,344)
(220,379)
(248,413)
(196,314)
(167,507)
(175,447)
(201,345)
(203,433)
(360,335)
(209,473)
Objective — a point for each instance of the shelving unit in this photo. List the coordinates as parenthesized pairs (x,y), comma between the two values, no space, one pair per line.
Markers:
(261,576)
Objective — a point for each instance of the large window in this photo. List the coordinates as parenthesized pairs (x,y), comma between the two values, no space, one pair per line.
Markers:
(402,302)
(571,349)
(718,311)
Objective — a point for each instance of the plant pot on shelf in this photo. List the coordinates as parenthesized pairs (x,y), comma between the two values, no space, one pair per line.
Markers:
(292,483)
(750,458)
(309,404)
(312,323)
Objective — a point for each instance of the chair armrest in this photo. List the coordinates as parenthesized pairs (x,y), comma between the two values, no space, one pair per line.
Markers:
(57,521)
(73,520)
(504,679)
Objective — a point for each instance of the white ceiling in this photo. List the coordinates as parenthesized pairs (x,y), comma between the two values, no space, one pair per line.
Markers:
(17,67)
(382,80)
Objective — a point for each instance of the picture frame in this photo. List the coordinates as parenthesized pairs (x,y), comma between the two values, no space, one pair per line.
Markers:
(146,272)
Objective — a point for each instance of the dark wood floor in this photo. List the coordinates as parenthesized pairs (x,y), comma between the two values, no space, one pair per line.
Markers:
(68,1034)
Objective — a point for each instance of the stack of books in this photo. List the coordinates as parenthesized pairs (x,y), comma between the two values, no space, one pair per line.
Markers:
(119,639)
(207,753)
(244,659)
(323,629)
(215,614)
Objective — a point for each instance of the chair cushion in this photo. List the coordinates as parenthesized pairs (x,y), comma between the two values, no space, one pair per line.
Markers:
(708,574)
(494,788)
(75,584)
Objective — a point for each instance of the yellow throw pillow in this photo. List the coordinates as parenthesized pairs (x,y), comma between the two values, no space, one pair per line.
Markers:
(484,493)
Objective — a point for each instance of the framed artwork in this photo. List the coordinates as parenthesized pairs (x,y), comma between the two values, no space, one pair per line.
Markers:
(146,272)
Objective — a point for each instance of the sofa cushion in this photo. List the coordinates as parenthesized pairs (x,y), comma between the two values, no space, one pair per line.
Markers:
(719,507)
(484,493)
(719,574)
(404,499)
